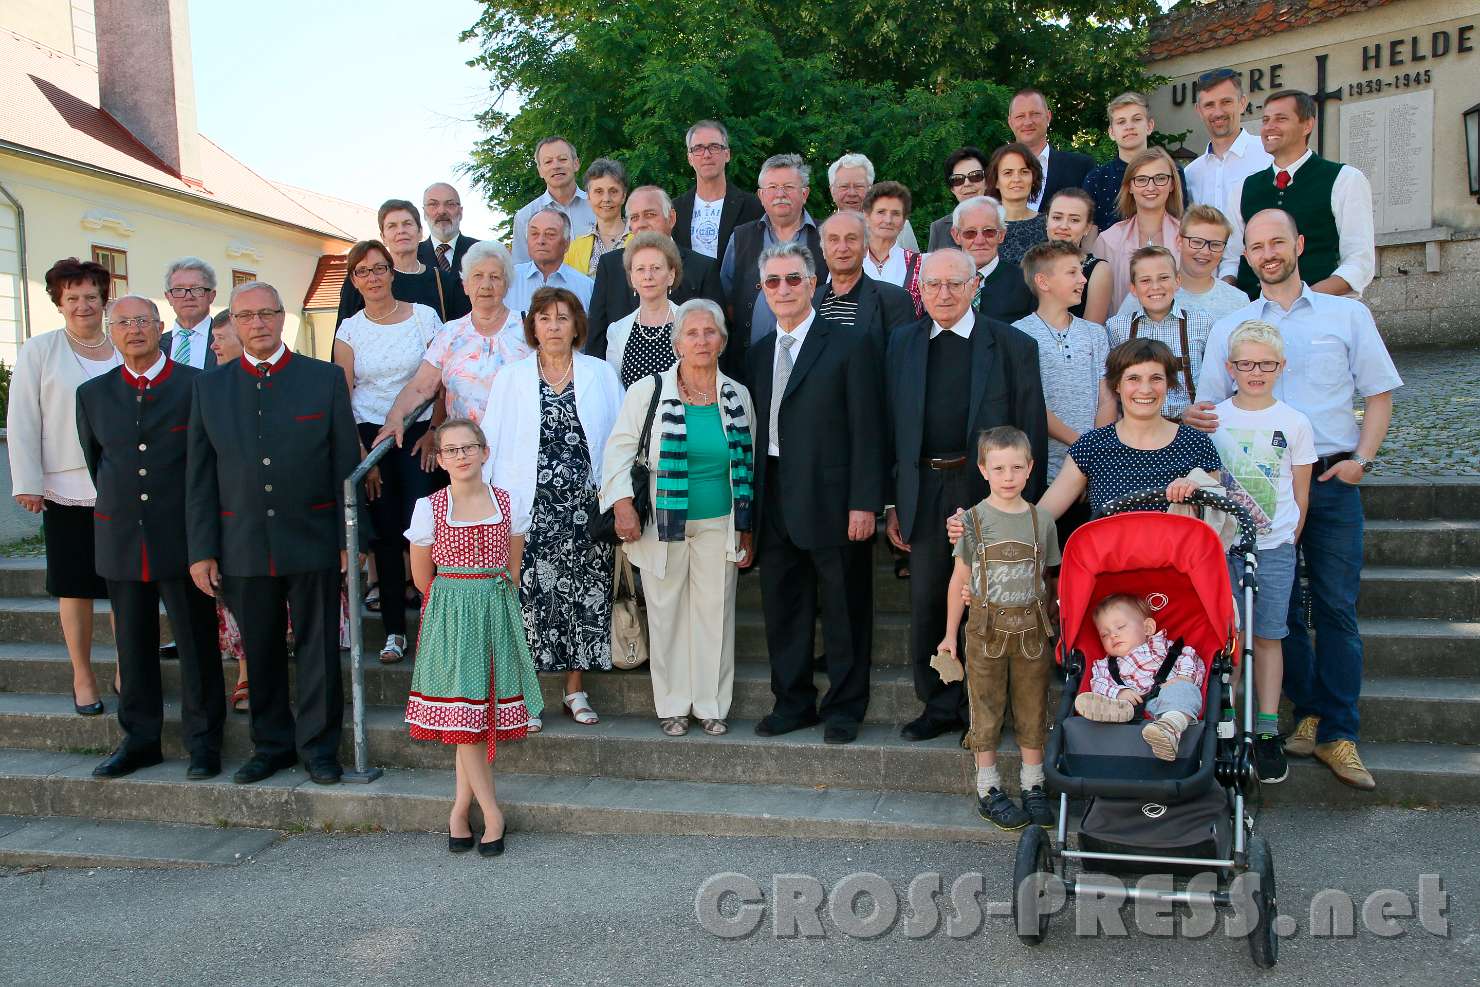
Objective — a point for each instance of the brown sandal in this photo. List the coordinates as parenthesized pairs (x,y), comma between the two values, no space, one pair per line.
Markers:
(715,728)
(674,726)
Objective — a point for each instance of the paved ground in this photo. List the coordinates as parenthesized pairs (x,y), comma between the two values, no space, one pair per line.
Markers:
(1436,416)
(382,909)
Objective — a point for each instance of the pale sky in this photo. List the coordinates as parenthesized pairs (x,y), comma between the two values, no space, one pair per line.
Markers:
(363,99)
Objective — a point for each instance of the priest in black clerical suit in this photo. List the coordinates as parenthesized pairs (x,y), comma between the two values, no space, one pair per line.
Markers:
(948,378)
(272,439)
(819,487)
(132,424)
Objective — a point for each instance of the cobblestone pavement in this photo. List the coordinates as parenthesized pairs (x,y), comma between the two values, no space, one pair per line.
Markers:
(1436,415)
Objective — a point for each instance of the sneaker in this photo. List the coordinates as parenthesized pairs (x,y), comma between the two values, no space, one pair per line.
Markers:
(1103,709)
(1164,736)
(1038,807)
(1269,759)
(1302,743)
(1346,764)
(1001,811)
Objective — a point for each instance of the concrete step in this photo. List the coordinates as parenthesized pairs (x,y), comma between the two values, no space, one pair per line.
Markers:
(1397,646)
(63,841)
(1445,594)
(1407,499)
(1429,543)
(405,800)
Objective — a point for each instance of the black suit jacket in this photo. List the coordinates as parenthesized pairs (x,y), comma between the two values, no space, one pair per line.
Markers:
(740,207)
(427,255)
(1066,169)
(267,464)
(1005,390)
(882,308)
(1005,296)
(167,346)
(832,461)
(134,442)
(613,298)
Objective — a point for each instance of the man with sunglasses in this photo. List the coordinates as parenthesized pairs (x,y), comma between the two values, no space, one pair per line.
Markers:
(948,378)
(707,214)
(1233,154)
(190,288)
(1028,116)
(977,226)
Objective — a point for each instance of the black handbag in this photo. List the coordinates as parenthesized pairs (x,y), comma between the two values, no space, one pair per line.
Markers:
(602,528)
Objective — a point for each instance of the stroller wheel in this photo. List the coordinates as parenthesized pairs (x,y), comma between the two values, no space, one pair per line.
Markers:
(1034,883)
(1264,944)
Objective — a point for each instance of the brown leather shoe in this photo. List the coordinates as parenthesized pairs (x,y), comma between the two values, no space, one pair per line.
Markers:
(1346,764)
(1302,742)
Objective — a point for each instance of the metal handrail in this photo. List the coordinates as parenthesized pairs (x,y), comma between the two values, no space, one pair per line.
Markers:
(363,772)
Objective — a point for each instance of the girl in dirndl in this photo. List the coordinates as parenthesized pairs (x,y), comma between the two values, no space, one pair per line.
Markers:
(474,683)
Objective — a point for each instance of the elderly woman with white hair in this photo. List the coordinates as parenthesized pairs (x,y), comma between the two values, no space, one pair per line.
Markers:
(700,456)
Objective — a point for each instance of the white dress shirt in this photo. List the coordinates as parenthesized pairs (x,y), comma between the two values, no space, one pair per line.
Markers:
(800,335)
(153,371)
(200,341)
(962,328)
(892,270)
(1219,181)
(985,271)
(271,361)
(528,280)
(1035,202)
(1351,205)
(451,249)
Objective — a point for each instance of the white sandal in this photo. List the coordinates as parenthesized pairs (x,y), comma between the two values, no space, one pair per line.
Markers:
(577,706)
(535,725)
(394,649)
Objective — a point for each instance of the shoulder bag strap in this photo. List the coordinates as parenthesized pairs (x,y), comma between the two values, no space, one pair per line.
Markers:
(1187,359)
(647,426)
(441,298)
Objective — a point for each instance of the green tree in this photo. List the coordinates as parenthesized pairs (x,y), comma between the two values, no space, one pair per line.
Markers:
(903,82)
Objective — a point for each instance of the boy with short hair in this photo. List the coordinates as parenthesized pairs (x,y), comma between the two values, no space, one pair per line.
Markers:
(1158,315)
(1007,545)
(1130,127)
(1201,243)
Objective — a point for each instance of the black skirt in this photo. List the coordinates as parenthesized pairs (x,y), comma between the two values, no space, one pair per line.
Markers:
(71,567)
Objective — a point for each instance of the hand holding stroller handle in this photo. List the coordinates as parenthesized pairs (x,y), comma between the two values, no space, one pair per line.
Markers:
(1248,534)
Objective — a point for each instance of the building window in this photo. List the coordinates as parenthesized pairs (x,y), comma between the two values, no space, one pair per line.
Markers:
(116,262)
(242,277)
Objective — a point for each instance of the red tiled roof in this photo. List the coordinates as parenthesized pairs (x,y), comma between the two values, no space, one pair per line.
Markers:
(1194,27)
(51,107)
(328,279)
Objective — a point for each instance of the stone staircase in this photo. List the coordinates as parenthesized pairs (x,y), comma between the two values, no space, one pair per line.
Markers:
(1420,608)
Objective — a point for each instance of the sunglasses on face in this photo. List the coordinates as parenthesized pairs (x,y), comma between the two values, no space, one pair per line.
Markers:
(956,181)
(773,281)
(984,233)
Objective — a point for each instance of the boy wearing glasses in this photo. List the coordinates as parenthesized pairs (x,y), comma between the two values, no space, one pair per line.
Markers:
(1201,244)
(1157,311)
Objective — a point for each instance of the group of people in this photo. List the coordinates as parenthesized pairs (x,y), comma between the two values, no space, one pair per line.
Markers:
(717,383)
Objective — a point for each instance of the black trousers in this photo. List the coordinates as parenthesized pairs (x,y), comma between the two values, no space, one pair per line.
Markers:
(942,492)
(797,583)
(202,689)
(257,604)
(402,483)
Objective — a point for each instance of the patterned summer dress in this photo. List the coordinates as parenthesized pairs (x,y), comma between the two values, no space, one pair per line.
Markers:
(471,644)
(566,581)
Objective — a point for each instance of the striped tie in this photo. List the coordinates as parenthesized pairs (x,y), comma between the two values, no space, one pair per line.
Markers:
(182,347)
(778,386)
(442,260)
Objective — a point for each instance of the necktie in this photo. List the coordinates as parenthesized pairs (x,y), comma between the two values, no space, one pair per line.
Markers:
(976,302)
(782,374)
(182,347)
(1282,179)
(442,260)
(264,369)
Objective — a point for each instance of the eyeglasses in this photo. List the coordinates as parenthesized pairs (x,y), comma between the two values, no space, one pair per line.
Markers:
(1267,366)
(1198,243)
(195,292)
(1145,181)
(987,233)
(794,280)
(459,452)
(952,285)
(788,189)
(138,322)
(961,178)
(264,314)
(378,270)
(699,150)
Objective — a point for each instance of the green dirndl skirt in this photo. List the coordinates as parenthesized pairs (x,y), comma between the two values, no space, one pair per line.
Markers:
(474,680)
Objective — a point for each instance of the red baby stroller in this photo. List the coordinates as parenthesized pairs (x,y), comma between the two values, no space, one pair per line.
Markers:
(1143,815)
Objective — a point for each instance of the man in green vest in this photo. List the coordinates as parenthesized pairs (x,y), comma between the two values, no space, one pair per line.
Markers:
(1330,201)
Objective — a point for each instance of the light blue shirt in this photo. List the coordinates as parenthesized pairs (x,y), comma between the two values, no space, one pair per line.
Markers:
(528,280)
(1070,365)
(1333,352)
(762,319)
(582,219)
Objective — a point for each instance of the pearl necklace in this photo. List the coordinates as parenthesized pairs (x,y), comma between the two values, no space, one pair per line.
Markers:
(103,341)
(388,319)
(564,379)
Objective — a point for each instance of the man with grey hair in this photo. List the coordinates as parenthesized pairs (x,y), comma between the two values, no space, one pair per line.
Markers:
(845,295)
(190,288)
(848,179)
(707,214)
(977,226)
(556,160)
(819,477)
(445,244)
(784,186)
(547,237)
(612,297)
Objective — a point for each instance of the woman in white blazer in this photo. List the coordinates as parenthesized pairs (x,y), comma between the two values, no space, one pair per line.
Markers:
(547,422)
(699,451)
(49,475)
(641,343)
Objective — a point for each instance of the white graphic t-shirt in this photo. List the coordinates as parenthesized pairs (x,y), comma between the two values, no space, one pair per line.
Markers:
(1259,450)
(704,235)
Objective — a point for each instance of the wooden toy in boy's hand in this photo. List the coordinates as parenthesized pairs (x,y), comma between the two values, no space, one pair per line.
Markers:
(948,666)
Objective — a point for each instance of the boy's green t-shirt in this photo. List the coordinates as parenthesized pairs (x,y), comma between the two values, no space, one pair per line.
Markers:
(1008,584)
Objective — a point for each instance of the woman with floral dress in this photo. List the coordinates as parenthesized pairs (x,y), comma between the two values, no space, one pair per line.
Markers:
(548,420)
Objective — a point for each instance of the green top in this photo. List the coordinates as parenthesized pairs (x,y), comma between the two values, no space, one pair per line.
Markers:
(709,462)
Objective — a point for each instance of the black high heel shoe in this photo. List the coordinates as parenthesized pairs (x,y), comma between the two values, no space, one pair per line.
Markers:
(493,848)
(91,709)
(461,844)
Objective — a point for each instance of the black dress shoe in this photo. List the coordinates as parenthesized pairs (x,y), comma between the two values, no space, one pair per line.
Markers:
(493,848)
(924,728)
(125,762)
(840,733)
(169,652)
(775,726)
(203,766)
(91,709)
(260,767)
(325,772)
(461,844)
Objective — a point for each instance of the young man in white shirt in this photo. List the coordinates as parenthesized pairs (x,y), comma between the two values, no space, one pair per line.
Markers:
(1217,176)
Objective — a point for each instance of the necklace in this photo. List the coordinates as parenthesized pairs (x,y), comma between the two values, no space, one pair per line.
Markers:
(564,378)
(652,334)
(102,341)
(387,319)
(701,397)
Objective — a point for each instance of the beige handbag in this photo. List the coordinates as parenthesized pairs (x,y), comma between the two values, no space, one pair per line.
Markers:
(629,618)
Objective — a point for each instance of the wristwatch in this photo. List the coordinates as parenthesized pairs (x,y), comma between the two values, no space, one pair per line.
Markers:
(1364,462)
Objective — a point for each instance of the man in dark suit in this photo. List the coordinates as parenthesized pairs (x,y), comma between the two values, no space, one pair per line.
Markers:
(131,422)
(849,298)
(819,484)
(190,288)
(948,377)
(272,439)
(977,227)
(1028,116)
(612,298)
(445,243)
(709,212)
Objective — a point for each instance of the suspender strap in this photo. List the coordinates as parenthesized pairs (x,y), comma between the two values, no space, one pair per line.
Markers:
(1185,359)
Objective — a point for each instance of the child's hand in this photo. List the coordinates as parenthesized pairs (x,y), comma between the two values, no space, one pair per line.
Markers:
(955,527)
(948,646)
(1130,695)
(1179,490)
(966,593)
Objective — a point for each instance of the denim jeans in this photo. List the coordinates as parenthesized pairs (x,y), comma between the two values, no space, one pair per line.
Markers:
(1176,697)
(1325,680)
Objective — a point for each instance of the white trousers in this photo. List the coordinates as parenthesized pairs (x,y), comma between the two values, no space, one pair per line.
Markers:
(691,624)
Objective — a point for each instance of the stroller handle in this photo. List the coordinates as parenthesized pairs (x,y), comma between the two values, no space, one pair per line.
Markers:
(1248,534)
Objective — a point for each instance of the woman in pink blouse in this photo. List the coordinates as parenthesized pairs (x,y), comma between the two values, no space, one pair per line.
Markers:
(1152,198)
